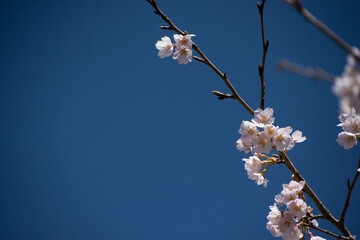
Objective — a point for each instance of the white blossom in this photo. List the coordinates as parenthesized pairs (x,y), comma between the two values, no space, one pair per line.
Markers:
(352,124)
(290,192)
(317,238)
(252,165)
(282,139)
(165,47)
(286,223)
(241,146)
(294,185)
(298,137)
(347,86)
(274,215)
(263,117)
(346,139)
(183,41)
(248,131)
(270,130)
(295,234)
(259,179)
(298,207)
(262,144)
(183,54)
(273,228)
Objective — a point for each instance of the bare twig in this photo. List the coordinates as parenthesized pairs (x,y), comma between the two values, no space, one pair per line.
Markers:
(322,27)
(328,232)
(350,189)
(202,55)
(221,95)
(315,74)
(265,46)
(317,217)
(199,59)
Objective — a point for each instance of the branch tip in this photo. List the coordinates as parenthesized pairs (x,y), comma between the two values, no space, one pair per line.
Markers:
(165,27)
(221,95)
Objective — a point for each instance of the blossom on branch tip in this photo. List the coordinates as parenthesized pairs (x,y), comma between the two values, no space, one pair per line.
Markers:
(165,47)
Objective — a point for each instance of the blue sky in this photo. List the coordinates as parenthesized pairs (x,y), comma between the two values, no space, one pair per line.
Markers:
(101,139)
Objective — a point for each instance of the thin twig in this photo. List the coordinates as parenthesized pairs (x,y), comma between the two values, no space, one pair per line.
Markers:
(315,74)
(199,59)
(322,27)
(221,95)
(288,163)
(205,59)
(350,189)
(328,232)
(265,46)
(317,217)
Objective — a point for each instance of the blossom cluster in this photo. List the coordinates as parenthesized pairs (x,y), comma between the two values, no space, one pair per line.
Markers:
(350,123)
(183,48)
(259,142)
(286,223)
(347,86)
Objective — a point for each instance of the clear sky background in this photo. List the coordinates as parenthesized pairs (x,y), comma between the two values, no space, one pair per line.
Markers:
(101,139)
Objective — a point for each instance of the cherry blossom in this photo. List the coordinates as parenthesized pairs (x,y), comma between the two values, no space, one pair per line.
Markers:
(317,238)
(248,131)
(183,54)
(241,146)
(263,117)
(262,144)
(185,41)
(274,215)
(298,207)
(347,86)
(165,47)
(282,139)
(346,139)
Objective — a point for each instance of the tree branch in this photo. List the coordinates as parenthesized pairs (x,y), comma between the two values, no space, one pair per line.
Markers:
(205,60)
(265,46)
(325,212)
(328,232)
(322,27)
(350,189)
(316,74)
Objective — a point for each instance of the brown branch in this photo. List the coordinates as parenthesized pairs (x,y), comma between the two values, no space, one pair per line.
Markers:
(317,217)
(265,46)
(350,189)
(314,74)
(199,59)
(328,232)
(205,60)
(221,95)
(324,211)
(322,27)
(327,215)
